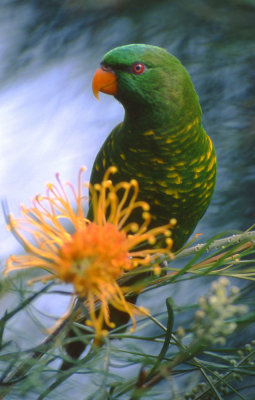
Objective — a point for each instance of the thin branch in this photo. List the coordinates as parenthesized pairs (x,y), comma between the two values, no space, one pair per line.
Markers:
(217,244)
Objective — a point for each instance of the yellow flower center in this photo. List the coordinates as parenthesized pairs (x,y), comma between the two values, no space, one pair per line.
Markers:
(92,256)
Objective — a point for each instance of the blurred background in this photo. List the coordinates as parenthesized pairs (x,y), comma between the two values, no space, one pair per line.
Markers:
(50,122)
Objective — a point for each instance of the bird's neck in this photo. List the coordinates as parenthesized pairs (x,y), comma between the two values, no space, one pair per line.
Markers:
(163,113)
(175,131)
(145,119)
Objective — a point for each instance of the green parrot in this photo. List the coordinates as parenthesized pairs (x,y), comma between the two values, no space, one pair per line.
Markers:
(161,142)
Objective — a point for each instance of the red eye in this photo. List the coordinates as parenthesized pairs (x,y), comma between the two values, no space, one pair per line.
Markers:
(138,68)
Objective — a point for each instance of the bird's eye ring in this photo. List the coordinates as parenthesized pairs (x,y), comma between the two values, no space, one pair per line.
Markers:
(138,68)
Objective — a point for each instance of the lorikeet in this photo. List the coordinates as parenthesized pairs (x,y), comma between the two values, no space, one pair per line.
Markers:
(161,141)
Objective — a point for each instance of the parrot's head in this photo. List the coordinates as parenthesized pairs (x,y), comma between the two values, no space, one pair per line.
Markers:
(146,78)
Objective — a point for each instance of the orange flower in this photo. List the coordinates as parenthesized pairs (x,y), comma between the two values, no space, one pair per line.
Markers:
(92,255)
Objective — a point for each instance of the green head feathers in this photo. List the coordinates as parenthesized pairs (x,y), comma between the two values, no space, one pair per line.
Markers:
(153,82)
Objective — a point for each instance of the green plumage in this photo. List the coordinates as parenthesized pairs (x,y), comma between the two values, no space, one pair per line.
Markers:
(161,141)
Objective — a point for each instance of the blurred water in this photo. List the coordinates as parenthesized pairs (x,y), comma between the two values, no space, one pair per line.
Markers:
(50,122)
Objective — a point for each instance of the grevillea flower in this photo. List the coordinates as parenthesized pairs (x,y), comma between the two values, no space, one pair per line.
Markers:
(92,255)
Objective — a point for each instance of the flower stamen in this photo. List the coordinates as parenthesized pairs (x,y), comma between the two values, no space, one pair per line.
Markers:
(92,255)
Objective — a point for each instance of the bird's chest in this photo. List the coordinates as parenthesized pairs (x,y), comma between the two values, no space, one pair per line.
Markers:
(157,166)
(176,182)
(169,174)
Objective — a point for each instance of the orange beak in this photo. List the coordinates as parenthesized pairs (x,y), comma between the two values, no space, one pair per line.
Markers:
(104,81)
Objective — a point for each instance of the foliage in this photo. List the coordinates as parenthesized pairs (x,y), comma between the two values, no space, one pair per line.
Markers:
(193,350)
